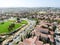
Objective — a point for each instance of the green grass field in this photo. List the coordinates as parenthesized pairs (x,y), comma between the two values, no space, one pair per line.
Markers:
(4,27)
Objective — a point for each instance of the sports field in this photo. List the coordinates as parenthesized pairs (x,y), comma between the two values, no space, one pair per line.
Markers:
(4,27)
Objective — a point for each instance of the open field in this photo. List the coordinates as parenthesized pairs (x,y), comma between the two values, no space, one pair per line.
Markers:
(4,27)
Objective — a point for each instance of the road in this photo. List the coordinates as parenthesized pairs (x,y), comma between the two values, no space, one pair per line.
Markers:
(16,37)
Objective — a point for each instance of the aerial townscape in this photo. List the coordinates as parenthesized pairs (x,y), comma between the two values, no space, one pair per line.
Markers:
(30,26)
(29,22)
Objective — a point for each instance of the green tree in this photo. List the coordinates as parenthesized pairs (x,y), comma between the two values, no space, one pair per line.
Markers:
(18,20)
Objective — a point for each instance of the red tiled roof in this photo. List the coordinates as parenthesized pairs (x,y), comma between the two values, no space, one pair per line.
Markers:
(51,38)
(21,43)
(44,35)
(39,28)
(46,44)
(51,32)
(44,22)
(30,41)
(39,43)
(37,33)
(42,30)
(27,42)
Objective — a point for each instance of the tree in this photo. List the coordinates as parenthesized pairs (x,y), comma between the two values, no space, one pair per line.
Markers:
(18,20)
(22,38)
(11,27)
(2,19)
(1,40)
(37,22)
(28,35)
(54,27)
(2,22)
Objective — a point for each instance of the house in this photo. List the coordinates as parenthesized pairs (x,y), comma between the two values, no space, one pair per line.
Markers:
(51,38)
(39,43)
(42,30)
(21,43)
(47,44)
(31,41)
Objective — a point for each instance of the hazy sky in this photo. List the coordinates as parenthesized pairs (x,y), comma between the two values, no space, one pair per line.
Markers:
(29,3)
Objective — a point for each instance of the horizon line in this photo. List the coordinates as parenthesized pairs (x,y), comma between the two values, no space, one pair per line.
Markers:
(30,7)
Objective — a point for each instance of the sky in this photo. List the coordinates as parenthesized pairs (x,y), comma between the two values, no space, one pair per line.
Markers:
(29,3)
